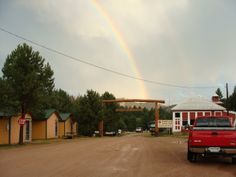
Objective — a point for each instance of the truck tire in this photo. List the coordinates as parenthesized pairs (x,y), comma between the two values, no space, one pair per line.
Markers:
(234,160)
(191,156)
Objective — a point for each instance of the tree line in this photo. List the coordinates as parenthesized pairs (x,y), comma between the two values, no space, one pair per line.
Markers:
(27,86)
(231,102)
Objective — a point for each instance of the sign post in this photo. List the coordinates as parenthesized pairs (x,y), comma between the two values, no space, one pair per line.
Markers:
(167,124)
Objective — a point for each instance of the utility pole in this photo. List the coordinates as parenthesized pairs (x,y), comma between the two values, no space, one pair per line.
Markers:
(227,99)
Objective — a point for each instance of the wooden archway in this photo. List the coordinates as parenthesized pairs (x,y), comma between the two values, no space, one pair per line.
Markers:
(157,106)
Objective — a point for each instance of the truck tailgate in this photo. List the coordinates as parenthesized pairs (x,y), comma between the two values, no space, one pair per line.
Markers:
(213,138)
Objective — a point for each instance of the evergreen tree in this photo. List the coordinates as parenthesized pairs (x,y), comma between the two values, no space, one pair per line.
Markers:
(30,81)
(219,93)
(109,109)
(61,101)
(232,100)
(90,112)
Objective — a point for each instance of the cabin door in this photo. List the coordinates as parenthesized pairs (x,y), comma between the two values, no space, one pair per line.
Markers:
(27,130)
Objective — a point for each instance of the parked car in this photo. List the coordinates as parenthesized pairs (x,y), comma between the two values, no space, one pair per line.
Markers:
(139,129)
(152,129)
(110,133)
(212,136)
(119,132)
(96,133)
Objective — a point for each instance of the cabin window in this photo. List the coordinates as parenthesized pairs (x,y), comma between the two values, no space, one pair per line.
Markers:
(177,114)
(27,130)
(56,128)
(192,121)
(185,122)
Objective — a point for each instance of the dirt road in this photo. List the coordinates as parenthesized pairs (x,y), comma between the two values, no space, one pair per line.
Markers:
(127,156)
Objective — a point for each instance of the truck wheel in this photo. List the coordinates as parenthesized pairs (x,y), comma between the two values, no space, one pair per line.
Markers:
(234,160)
(192,157)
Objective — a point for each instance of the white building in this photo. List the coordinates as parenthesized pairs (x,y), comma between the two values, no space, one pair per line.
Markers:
(186,112)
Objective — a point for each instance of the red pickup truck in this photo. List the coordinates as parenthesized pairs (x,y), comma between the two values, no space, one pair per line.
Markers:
(212,136)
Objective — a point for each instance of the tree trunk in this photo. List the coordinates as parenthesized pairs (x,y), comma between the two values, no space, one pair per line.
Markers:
(156,118)
(21,137)
(100,128)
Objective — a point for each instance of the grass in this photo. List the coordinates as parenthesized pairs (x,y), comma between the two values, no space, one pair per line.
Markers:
(48,141)
(182,135)
(7,146)
(35,142)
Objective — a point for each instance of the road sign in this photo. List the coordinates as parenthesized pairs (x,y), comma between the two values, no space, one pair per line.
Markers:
(21,121)
(164,123)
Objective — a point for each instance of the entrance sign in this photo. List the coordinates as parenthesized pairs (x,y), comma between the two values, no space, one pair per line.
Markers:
(165,123)
(156,102)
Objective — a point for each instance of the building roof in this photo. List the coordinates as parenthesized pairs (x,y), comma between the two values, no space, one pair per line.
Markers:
(64,116)
(47,114)
(215,95)
(232,112)
(3,114)
(198,104)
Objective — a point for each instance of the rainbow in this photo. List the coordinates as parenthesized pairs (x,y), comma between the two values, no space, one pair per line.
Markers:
(123,44)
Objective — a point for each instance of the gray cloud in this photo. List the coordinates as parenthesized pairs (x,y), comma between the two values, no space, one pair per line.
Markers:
(180,42)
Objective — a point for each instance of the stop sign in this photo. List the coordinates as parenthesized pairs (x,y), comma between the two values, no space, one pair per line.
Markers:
(21,121)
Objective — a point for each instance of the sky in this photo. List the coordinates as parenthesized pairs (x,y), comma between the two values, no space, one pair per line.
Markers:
(186,43)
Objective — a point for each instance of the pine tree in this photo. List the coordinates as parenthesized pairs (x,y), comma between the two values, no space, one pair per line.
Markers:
(29,79)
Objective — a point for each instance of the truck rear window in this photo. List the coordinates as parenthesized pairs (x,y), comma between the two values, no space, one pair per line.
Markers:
(213,122)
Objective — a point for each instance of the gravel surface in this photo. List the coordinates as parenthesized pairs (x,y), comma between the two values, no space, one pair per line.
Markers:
(133,155)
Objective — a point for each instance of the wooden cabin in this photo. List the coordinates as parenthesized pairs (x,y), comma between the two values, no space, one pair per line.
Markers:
(68,127)
(10,128)
(46,127)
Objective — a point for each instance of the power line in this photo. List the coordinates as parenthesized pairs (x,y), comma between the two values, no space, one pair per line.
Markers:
(103,68)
